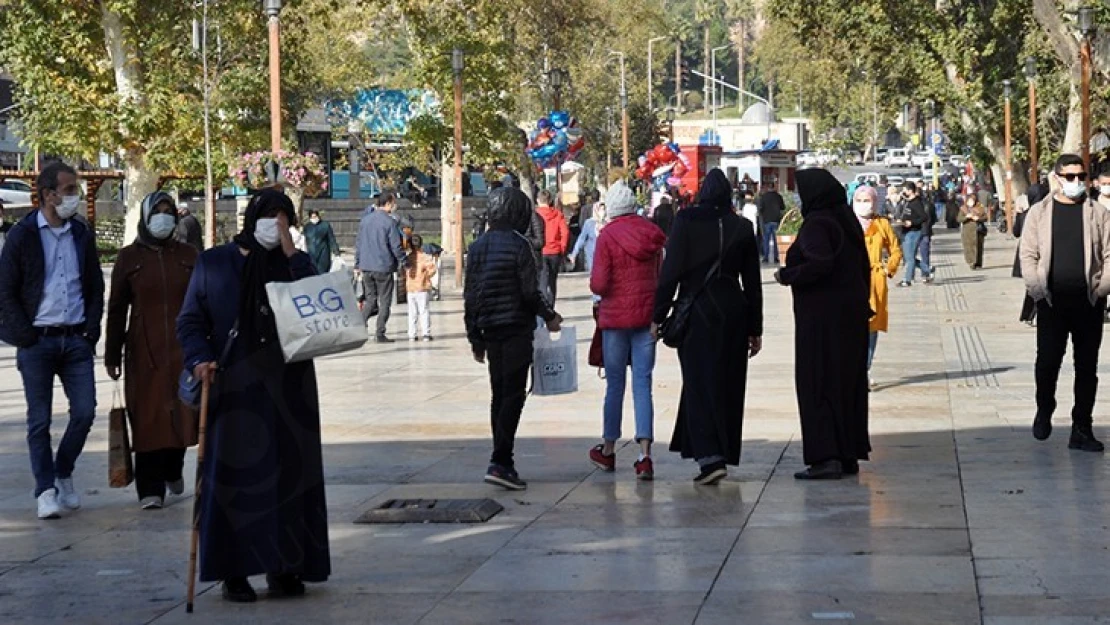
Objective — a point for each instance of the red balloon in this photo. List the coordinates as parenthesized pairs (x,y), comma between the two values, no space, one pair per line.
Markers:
(679,170)
(662,154)
(644,173)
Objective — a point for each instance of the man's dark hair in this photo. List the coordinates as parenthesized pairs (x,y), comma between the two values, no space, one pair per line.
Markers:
(909,186)
(882,180)
(595,196)
(1067,160)
(417,241)
(386,198)
(48,177)
(544,198)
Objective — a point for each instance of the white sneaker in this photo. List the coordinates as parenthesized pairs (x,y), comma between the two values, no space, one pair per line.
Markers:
(176,487)
(67,494)
(151,503)
(48,505)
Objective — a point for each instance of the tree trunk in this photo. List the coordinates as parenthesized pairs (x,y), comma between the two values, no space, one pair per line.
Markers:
(446,204)
(1073,135)
(705,68)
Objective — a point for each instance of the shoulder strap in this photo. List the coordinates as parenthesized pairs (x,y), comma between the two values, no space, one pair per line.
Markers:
(231,336)
(715,268)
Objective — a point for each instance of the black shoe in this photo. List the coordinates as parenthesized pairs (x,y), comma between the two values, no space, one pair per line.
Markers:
(711,474)
(828,470)
(383,339)
(903,284)
(238,590)
(1042,426)
(850,467)
(285,585)
(1083,439)
(504,477)
(928,279)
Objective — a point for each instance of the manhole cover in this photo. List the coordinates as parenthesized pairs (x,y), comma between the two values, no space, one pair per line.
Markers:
(432,511)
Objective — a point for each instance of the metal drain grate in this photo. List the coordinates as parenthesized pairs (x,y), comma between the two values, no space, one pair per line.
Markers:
(432,511)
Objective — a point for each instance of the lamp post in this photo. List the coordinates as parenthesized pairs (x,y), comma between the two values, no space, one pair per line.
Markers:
(1007,175)
(713,73)
(1031,75)
(555,79)
(624,108)
(670,123)
(932,106)
(651,76)
(1087,29)
(354,160)
(457,65)
(273,13)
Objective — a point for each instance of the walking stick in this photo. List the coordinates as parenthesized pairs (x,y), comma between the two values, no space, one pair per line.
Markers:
(196,498)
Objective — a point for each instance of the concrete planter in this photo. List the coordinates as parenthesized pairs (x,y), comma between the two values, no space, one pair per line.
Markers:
(784,241)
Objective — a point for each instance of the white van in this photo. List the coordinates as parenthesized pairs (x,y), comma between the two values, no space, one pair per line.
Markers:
(897,157)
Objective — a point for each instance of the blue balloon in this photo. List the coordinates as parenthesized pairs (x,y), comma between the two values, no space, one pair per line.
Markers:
(560,119)
(543,124)
(560,140)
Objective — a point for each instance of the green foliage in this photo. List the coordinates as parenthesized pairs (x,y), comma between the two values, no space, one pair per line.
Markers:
(791,223)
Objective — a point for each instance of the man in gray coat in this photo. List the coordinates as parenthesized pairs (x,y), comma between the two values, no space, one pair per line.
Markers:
(378,255)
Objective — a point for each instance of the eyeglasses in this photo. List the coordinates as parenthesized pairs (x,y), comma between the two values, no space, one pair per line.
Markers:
(1081,176)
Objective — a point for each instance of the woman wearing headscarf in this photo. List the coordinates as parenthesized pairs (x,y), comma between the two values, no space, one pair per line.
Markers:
(973,230)
(149,281)
(262,507)
(320,238)
(724,328)
(880,241)
(829,272)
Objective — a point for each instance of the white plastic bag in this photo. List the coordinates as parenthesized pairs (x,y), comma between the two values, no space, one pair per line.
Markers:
(555,362)
(316,316)
(338,265)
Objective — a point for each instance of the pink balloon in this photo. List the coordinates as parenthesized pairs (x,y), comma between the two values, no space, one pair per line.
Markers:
(673,181)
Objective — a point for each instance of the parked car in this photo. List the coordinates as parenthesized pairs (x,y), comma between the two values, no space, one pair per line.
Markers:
(898,157)
(15,193)
(957,160)
(921,157)
(895,181)
(880,155)
(867,178)
(807,159)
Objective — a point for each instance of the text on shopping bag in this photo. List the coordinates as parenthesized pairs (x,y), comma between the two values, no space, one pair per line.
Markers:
(321,311)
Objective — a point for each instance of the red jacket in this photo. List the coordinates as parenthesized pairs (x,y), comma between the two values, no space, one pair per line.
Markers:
(556,232)
(626,272)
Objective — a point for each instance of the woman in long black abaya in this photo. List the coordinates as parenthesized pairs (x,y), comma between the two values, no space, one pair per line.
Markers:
(828,271)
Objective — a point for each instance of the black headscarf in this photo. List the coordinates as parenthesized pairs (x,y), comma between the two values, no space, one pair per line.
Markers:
(714,197)
(822,193)
(149,203)
(256,321)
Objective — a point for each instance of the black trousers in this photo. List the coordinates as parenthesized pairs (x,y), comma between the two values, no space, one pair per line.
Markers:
(509,363)
(1073,317)
(378,289)
(154,468)
(550,277)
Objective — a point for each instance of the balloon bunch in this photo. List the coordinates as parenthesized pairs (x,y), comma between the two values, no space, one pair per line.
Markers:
(557,138)
(663,166)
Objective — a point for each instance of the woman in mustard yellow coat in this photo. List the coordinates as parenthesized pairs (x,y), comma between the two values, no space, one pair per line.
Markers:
(880,240)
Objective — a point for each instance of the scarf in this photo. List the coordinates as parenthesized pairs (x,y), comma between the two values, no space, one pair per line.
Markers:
(256,320)
(150,202)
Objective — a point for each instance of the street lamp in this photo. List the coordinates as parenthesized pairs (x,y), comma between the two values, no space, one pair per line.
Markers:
(1086,15)
(457,66)
(1031,76)
(650,76)
(1008,175)
(273,13)
(555,78)
(670,123)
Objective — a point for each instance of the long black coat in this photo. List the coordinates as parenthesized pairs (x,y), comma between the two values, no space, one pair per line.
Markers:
(828,271)
(714,354)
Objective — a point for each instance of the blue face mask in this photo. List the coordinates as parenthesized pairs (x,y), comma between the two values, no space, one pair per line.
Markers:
(161,226)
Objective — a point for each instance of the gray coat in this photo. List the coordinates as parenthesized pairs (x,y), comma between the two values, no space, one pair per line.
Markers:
(378,244)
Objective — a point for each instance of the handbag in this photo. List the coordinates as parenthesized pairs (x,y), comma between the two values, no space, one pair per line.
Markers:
(121,470)
(189,387)
(596,357)
(316,316)
(673,329)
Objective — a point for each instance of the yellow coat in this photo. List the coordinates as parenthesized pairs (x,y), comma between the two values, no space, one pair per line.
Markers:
(879,237)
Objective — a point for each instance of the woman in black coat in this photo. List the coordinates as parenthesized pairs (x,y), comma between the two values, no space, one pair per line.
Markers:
(828,270)
(725,325)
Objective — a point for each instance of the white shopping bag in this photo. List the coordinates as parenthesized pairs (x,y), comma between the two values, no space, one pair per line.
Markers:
(338,265)
(555,362)
(316,316)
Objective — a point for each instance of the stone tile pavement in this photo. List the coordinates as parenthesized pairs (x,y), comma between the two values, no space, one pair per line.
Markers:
(961,518)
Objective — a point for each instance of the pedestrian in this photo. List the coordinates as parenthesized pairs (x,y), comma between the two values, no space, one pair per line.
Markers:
(51,303)
(916,223)
(262,506)
(973,231)
(626,276)
(501,302)
(1028,306)
(829,271)
(378,255)
(882,207)
(940,201)
(881,244)
(749,211)
(664,214)
(986,200)
(188,229)
(1065,244)
(587,240)
(556,244)
(149,281)
(320,238)
(712,257)
(419,270)
(1103,186)
(771,209)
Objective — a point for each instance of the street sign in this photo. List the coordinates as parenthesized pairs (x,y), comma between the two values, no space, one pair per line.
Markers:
(936,141)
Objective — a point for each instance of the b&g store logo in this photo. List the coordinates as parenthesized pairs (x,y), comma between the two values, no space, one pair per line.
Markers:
(324,313)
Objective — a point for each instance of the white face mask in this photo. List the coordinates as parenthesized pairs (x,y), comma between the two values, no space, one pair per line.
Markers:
(862,208)
(314,220)
(1104,190)
(68,207)
(1074,190)
(161,226)
(267,234)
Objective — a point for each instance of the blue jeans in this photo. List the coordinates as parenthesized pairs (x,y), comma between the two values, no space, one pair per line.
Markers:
(940,211)
(913,243)
(619,347)
(872,343)
(770,244)
(925,253)
(71,359)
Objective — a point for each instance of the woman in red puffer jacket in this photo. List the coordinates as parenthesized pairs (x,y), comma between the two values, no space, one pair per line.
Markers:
(625,275)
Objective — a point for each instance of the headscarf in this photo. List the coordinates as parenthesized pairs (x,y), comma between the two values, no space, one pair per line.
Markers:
(823,195)
(716,192)
(870,192)
(256,321)
(149,203)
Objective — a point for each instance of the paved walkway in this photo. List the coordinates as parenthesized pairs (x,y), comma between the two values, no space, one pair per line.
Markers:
(961,518)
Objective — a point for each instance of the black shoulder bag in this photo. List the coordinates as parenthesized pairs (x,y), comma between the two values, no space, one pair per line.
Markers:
(673,329)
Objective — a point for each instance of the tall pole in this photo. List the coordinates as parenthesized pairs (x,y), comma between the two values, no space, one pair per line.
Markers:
(678,74)
(1085,90)
(457,67)
(1008,175)
(273,10)
(740,72)
(651,76)
(209,192)
(1034,166)
(624,124)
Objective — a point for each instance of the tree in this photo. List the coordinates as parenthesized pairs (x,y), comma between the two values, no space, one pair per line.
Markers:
(706,14)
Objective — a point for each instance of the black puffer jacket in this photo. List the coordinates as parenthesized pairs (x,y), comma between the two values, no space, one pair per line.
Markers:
(502,296)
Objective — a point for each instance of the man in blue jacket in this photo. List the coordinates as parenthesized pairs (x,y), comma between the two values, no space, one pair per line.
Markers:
(51,302)
(378,255)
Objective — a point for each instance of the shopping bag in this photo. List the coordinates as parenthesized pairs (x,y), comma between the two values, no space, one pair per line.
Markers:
(316,316)
(554,362)
(338,265)
(121,471)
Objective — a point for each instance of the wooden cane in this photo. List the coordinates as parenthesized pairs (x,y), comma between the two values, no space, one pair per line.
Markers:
(196,498)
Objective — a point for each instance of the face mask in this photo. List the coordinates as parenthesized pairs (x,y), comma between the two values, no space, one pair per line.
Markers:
(315,220)
(1105,190)
(1074,190)
(161,226)
(266,233)
(68,207)
(862,208)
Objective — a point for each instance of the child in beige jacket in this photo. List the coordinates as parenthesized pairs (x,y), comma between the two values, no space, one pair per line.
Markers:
(418,283)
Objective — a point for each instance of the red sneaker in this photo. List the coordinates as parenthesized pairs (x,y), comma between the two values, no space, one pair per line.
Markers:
(644,469)
(601,461)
